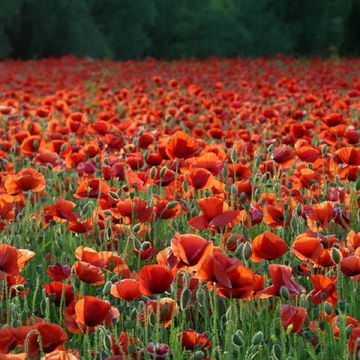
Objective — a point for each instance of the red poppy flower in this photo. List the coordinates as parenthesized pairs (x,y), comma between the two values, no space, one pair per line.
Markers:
(26,179)
(166,308)
(214,215)
(319,215)
(190,250)
(59,290)
(350,265)
(280,276)
(268,246)
(181,146)
(324,289)
(13,260)
(128,289)
(292,317)
(190,339)
(92,188)
(154,279)
(59,272)
(89,273)
(91,311)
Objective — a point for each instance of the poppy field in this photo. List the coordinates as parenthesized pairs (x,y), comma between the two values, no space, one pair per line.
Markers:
(180,210)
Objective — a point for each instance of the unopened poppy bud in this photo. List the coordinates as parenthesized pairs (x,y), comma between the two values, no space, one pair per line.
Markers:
(284,292)
(146,154)
(335,255)
(225,172)
(304,301)
(276,352)
(239,250)
(133,314)
(238,338)
(349,330)
(342,305)
(216,353)
(163,171)
(35,145)
(324,150)
(114,195)
(198,355)
(200,295)
(328,308)
(270,148)
(185,186)
(107,212)
(233,155)
(185,298)
(129,324)
(230,240)
(171,204)
(246,251)
(107,288)
(132,195)
(137,244)
(324,296)
(233,189)
(145,245)
(258,338)
(136,228)
(152,172)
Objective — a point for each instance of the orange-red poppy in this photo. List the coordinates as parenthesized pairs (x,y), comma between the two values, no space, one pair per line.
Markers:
(215,214)
(154,279)
(268,246)
(190,339)
(281,276)
(324,289)
(27,179)
(190,250)
(128,289)
(292,317)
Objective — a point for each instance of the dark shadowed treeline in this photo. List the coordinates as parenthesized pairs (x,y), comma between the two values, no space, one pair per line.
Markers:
(124,29)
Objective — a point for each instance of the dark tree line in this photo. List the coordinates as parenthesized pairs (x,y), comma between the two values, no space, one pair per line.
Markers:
(124,29)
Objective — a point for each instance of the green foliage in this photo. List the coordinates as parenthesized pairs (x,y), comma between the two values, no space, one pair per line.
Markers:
(125,29)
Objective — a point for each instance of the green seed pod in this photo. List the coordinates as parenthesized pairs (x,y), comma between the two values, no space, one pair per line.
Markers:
(284,292)
(185,298)
(258,338)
